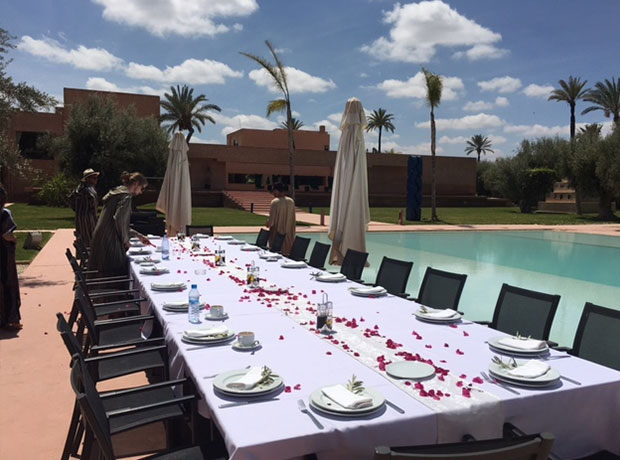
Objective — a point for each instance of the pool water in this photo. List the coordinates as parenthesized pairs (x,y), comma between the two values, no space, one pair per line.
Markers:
(578,267)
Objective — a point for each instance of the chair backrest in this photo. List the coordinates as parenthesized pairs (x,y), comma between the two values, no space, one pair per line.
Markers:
(441,289)
(204,229)
(91,407)
(299,248)
(393,275)
(528,447)
(278,241)
(353,264)
(598,336)
(67,335)
(319,255)
(529,313)
(262,239)
(88,316)
(81,250)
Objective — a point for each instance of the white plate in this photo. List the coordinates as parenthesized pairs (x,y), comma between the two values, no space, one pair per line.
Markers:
(237,346)
(136,244)
(168,286)
(414,370)
(209,317)
(273,289)
(293,265)
(549,378)
(208,340)
(250,248)
(138,251)
(270,256)
(179,308)
(322,403)
(223,237)
(147,261)
(331,278)
(220,382)
(494,342)
(362,292)
(150,271)
(430,319)
(236,242)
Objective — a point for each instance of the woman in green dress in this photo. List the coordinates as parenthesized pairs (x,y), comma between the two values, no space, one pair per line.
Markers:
(110,239)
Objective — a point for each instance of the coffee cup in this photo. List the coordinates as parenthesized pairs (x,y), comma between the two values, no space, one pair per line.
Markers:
(217,311)
(246,338)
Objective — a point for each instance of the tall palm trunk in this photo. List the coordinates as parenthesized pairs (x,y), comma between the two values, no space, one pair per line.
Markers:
(434,217)
(190,133)
(578,206)
(291,149)
(379,139)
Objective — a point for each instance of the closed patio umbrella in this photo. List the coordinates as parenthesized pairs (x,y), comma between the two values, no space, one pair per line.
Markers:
(349,213)
(175,196)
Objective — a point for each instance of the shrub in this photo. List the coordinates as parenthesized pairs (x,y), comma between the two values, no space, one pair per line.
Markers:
(55,192)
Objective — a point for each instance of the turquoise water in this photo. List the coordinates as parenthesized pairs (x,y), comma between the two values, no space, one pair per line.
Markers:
(578,267)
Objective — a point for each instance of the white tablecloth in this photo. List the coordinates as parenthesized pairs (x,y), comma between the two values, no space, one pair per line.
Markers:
(583,418)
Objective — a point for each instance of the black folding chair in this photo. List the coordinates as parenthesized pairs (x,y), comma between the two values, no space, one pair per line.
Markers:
(393,276)
(202,229)
(278,241)
(262,239)
(318,256)
(299,248)
(109,413)
(353,264)
(528,313)
(441,289)
(598,336)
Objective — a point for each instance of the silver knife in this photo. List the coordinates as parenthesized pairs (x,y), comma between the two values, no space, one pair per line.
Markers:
(568,379)
(246,402)
(394,406)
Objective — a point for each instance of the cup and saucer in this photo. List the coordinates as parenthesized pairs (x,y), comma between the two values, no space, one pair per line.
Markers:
(216,313)
(246,341)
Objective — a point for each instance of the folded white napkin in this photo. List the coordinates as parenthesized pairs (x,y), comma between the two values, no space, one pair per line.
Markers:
(248,381)
(223,237)
(249,247)
(269,255)
(523,344)
(167,285)
(530,370)
(153,270)
(370,290)
(438,313)
(331,277)
(293,264)
(139,251)
(206,332)
(346,398)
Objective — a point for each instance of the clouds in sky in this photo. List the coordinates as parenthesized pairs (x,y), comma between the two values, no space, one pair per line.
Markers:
(418,29)
(534,90)
(298,81)
(101,84)
(501,85)
(415,87)
(180,17)
(469,122)
(191,71)
(480,106)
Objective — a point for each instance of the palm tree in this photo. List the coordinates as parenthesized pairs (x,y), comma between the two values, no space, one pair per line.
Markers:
(605,97)
(186,112)
(278,75)
(434,86)
(380,120)
(479,144)
(297,124)
(593,130)
(570,92)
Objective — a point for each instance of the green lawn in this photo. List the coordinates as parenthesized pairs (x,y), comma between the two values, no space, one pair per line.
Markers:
(26,255)
(219,216)
(481,216)
(30,217)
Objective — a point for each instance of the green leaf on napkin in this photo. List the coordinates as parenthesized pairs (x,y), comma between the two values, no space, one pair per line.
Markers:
(355,386)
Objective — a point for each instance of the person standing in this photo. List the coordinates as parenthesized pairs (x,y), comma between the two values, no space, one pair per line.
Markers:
(282,217)
(10,300)
(84,202)
(110,239)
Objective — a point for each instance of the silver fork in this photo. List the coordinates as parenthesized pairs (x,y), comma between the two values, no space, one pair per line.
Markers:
(303,409)
(498,383)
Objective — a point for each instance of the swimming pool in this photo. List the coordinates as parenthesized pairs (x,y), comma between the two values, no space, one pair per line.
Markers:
(578,267)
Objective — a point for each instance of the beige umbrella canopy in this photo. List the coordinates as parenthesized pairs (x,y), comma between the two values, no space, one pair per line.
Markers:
(175,196)
(349,213)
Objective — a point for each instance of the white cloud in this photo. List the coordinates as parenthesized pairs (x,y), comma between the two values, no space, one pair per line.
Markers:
(501,85)
(477,106)
(192,71)
(497,140)
(481,51)
(453,140)
(501,101)
(537,130)
(251,121)
(335,117)
(534,90)
(364,75)
(424,148)
(298,81)
(187,18)
(81,58)
(415,87)
(101,84)
(417,29)
(470,122)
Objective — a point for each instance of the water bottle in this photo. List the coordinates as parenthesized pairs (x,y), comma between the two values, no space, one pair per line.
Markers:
(165,248)
(194,305)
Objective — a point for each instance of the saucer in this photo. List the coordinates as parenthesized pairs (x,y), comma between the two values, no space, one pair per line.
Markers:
(237,346)
(209,317)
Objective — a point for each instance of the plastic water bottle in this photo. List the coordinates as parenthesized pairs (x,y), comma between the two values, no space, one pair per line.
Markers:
(165,248)
(194,305)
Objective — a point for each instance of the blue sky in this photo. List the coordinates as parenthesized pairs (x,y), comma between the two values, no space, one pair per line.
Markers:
(499,60)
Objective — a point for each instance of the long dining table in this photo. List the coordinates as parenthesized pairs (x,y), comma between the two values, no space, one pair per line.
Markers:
(582,410)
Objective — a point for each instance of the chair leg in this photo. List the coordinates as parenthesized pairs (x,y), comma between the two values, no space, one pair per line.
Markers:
(70,442)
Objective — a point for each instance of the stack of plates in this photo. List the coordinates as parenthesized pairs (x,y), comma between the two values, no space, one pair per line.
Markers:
(322,403)
(497,346)
(270,256)
(168,286)
(138,251)
(429,317)
(154,270)
(549,379)
(222,380)
(376,291)
(293,264)
(249,248)
(331,278)
(236,242)
(144,260)
(208,340)
(223,237)
(179,306)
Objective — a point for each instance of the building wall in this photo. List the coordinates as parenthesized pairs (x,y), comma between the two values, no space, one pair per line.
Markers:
(278,139)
